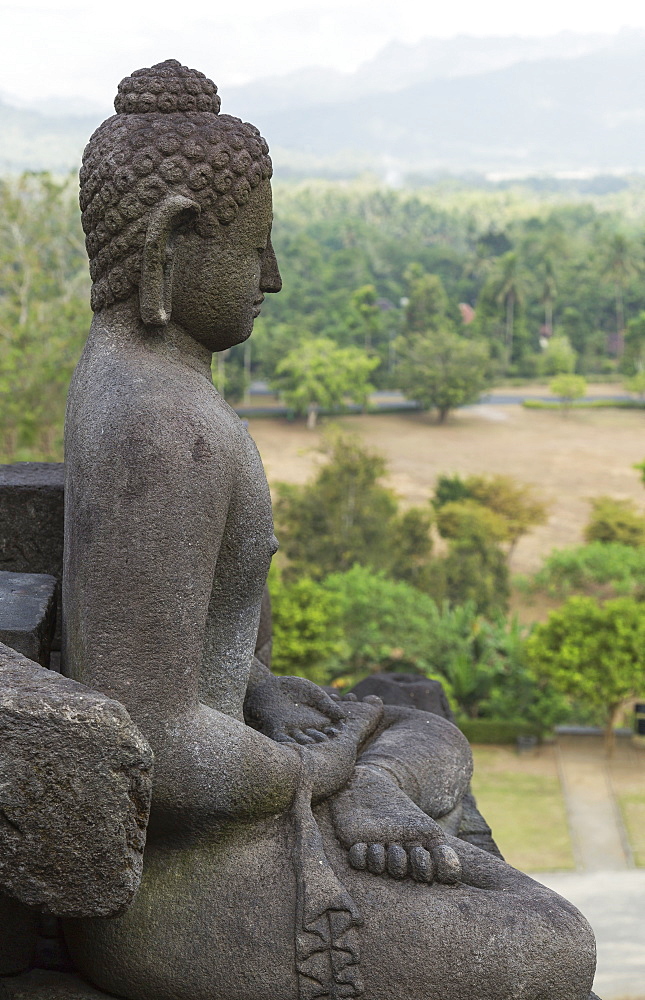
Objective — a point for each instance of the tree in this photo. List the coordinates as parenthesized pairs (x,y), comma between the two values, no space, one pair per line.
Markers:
(427,305)
(620,265)
(615,521)
(346,516)
(516,506)
(593,653)
(558,358)
(636,384)
(474,570)
(509,294)
(568,388)
(387,624)
(549,292)
(318,374)
(307,633)
(442,370)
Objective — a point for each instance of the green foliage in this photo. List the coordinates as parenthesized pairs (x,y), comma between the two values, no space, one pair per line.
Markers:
(515,507)
(587,568)
(318,375)
(559,357)
(44,312)
(636,384)
(449,489)
(568,388)
(469,522)
(617,521)
(387,624)
(345,516)
(427,305)
(473,571)
(496,731)
(307,634)
(593,653)
(441,370)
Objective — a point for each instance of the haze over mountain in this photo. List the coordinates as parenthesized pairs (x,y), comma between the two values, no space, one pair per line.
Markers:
(568,103)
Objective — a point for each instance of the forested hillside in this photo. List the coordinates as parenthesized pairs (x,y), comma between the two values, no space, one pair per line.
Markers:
(364,267)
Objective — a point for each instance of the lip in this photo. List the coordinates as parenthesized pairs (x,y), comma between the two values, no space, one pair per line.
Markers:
(257,305)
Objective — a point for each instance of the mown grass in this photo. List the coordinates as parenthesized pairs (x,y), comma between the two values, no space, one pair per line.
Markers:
(521,799)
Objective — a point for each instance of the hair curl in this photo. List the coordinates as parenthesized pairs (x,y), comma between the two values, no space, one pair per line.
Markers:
(166,137)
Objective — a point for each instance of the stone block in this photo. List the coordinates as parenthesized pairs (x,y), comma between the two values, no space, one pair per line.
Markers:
(75,787)
(31,517)
(28,613)
(31,520)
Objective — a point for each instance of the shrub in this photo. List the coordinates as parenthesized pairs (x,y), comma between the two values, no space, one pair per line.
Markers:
(583,568)
(495,730)
(615,521)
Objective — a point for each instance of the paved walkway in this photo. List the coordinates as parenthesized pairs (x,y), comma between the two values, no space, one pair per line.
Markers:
(606,888)
(614,904)
(597,834)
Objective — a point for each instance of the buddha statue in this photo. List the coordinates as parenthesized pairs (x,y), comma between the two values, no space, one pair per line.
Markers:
(298,846)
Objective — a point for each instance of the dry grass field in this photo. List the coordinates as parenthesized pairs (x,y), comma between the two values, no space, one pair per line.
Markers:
(567,458)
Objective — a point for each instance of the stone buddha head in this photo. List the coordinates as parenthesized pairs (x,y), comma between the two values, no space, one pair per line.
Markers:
(176,208)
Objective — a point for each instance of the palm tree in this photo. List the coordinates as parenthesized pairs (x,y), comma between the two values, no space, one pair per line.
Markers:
(549,292)
(510,292)
(620,264)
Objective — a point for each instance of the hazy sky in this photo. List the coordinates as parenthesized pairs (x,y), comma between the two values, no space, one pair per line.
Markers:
(51,48)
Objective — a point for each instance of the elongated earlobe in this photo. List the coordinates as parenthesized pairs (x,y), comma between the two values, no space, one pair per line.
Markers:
(155,290)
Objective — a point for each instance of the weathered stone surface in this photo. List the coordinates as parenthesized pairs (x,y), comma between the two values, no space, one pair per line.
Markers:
(74,793)
(41,985)
(28,613)
(31,519)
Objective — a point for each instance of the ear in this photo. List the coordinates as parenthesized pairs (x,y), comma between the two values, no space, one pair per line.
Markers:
(155,290)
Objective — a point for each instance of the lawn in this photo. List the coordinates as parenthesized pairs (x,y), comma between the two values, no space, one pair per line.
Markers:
(520,798)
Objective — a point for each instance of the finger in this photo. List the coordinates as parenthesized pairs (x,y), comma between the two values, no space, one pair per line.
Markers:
(316,735)
(375,859)
(282,738)
(372,699)
(350,697)
(319,699)
(421,864)
(302,739)
(331,730)
(358,856)
(397,861)
(447,864)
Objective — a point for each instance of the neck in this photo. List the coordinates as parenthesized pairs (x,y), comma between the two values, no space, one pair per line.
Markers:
(122,323)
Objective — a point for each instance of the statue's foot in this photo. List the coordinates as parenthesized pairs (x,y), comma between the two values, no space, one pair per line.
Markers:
(385,833)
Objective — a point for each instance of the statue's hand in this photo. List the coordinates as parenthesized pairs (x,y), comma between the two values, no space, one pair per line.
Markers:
(293,710)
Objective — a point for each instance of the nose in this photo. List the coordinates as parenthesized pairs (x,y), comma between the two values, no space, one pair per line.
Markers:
(270,280)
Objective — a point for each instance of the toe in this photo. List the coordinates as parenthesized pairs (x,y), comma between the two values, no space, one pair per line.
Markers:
(421,864)
(447,864)
(397,861)
(358,856)
(303,739)
(376,859)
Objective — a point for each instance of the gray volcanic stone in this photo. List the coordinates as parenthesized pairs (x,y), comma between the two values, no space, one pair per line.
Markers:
(31,521)
(31,517)
(28,613)
(74,793)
